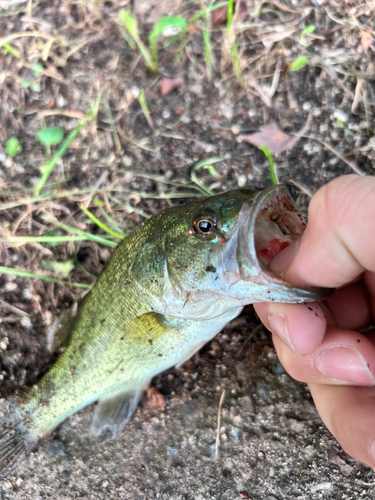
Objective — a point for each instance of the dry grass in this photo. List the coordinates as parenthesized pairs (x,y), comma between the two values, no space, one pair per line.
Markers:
(69,58)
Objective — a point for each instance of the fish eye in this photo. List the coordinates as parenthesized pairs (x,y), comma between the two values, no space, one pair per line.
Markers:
(204,225)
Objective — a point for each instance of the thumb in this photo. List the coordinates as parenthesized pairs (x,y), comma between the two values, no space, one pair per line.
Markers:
(338,243)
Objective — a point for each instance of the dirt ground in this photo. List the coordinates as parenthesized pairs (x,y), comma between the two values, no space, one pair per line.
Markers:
(69,57)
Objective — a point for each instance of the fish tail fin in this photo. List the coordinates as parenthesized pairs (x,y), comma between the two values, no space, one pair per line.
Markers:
(16,441)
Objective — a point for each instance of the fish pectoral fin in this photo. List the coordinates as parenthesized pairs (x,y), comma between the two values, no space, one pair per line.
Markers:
(191,353)
(61,330)
(111,415)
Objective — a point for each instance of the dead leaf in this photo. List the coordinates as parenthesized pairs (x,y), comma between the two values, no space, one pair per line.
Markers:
(244,494)
(169,84)
(154,400)
(274,139)
(366,39)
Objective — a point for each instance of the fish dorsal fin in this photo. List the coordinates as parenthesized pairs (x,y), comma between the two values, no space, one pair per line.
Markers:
(111,415)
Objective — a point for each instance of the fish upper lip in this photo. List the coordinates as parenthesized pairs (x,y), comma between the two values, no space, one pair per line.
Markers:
(266,227)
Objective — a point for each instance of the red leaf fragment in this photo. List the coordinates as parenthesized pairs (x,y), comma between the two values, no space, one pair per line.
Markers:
(169,84)
(366,39)
(274,139)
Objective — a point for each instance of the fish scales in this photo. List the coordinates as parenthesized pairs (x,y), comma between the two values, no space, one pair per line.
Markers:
(168,288)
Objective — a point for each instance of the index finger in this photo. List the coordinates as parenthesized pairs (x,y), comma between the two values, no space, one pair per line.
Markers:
(338,243)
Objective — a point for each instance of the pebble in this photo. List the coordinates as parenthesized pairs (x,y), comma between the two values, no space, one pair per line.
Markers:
(321,486)
(10,286)
(60,101)
(3,346)
(127,160)
(340,115)
(242,180)
(166,114)
(196,89)
(135,92)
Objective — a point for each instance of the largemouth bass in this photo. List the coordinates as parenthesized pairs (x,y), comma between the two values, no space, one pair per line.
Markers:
(170,286)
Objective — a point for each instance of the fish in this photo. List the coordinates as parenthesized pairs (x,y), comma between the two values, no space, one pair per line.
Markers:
(167,289)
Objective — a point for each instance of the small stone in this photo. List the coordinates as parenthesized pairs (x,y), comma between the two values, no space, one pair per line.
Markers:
(196,89)
(242,180)
(340,115)
(306,106)
(60,101)
(135,92)
(10,286)
(3,346)
(166,114)
(26,322)
(127,161)
(334,135)
(8,163)
(321,486)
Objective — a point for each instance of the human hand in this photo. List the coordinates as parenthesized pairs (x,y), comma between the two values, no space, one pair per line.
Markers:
(317,342)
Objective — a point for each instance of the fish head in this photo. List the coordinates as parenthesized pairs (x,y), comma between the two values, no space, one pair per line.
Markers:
(216,253)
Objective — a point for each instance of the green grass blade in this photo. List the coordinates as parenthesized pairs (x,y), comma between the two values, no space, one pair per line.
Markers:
(9,49)
(143,103)
(176,26)
(27,274)
(130,24)
(230,14)
(203,12)
(49,166)
(84,235)
(207,164)
(207,45)
(100,224)
(23,240)
(273,172)
(112,223)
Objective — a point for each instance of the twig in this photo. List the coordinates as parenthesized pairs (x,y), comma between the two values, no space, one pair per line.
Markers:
(13,309)
(352,165)
(302,188)
(217,443)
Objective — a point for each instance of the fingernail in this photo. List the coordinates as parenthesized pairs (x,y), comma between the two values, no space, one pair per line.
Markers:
(280,328)
(345,364)
(282,261)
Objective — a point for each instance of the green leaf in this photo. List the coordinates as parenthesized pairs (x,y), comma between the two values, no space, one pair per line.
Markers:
(51,136)
(13,147)
(9,49)
(49,166)
(298,63)
(61,268)
(308,29)
(167,26)
(129,22)
(37,69)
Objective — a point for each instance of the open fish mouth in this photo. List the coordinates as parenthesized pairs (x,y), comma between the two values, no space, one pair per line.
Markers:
(271,224)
